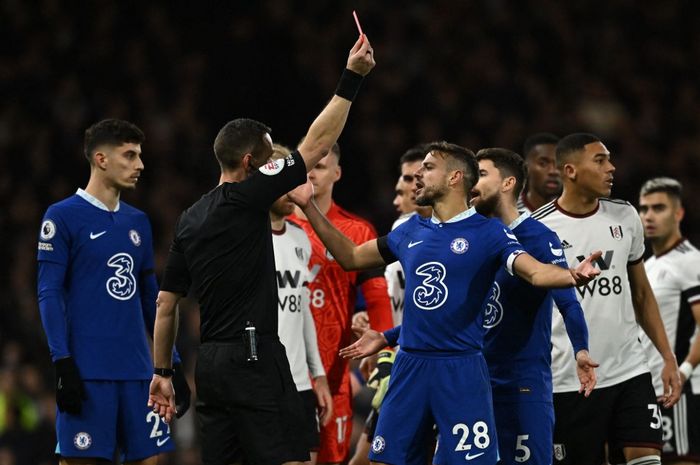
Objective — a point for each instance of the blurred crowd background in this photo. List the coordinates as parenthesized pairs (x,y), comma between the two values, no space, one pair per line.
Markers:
(479,73)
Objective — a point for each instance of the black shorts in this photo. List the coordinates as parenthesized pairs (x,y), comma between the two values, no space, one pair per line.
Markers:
(680,426)
(624,415)
(312,429)
(248,412)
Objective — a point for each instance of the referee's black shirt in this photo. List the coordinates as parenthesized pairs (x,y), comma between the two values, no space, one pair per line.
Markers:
(222,252)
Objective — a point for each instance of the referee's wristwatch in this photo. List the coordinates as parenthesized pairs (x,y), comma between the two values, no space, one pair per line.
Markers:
(164,372)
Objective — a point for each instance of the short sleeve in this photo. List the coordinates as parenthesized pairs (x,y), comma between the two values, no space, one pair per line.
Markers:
(389,245)
(176,277)
(54,238)
(637,247)
(506,244)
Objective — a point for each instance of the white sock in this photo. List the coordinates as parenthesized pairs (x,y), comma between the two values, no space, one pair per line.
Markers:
(646,460)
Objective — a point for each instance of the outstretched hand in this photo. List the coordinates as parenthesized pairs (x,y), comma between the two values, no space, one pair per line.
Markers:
(586,270)
(585,369)
(370,343)
(302,195)
(361,57)
(161,397)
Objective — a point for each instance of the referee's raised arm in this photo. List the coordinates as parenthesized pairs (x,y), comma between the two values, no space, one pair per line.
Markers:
(328,125)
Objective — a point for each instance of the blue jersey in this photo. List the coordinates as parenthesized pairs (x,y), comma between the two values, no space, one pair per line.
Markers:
(518,319)
(449,269)
(95,284)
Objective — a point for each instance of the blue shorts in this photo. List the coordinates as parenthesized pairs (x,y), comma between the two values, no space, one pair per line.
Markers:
(450,391)
(525,431)
(115,416)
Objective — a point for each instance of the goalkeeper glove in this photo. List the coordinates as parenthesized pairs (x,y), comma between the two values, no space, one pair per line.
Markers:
(69,387)
(379,378)
(182,390)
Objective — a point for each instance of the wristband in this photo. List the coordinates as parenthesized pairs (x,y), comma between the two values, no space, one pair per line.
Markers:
(349,85)
(686,368)
(164,372)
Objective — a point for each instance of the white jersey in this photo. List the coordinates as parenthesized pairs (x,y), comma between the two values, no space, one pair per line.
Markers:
(615,228)
(675,278)
(395,279)
(296,324)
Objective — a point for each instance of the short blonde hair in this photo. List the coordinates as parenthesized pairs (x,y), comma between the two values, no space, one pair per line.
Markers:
(280,151)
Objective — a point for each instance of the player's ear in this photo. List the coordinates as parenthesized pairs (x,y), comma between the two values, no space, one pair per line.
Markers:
(680,213)
(247,162)
(338,173)
(99,159)
(508,183)
(569,171)
(457,177)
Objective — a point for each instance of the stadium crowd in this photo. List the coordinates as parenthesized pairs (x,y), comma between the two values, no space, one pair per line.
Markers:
(484,73)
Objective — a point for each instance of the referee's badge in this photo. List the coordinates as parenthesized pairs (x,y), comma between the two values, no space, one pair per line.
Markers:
(378,444)
(272,167)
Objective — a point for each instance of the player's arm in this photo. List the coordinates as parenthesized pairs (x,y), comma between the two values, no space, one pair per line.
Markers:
(693,358)
(647,313)
(577,330)
(328,125)
(348,255)
(161,393)
(547,275)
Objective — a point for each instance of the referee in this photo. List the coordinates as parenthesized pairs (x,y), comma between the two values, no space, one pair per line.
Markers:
(248,407)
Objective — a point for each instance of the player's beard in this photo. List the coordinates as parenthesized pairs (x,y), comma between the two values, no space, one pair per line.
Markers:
(487,206)
(429,196)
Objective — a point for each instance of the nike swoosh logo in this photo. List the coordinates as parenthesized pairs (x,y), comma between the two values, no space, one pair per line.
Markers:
(413,244)
(160,442)
(472,457)
(95,236)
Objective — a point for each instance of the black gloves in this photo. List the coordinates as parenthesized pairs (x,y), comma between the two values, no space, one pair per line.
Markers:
(182,390)
(69,387)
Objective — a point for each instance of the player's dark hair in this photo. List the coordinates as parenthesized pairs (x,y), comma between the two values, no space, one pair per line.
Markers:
(460,158)
(573,143)
(236,139)
(113,132)
(414,154)
(540,138)
(670,186)
(508,163)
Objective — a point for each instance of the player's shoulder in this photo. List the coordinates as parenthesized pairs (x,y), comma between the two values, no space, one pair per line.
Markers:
(402,219)
(128,209)
(545,211)
(617,206)
(686,252)
(297,233)
(535,227)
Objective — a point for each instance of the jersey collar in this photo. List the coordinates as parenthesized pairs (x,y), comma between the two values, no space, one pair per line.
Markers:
(94,201)
(518,220)
(458,217)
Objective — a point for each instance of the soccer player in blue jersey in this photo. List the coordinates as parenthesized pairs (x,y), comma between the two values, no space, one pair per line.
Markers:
(518,319)
(97,292)
(450,260)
